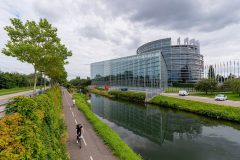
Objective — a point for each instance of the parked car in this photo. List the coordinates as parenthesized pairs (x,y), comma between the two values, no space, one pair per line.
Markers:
(220,97)
(183,93)
(124,89)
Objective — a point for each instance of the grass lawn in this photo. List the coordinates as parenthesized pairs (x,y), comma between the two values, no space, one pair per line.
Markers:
(231,96)
(201,108)
(14,90)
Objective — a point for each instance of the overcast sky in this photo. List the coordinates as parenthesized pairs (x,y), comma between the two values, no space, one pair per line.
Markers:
(98,30)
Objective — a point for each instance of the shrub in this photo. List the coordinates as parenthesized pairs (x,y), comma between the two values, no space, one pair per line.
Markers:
(128,95)
(35,130)
(101,92)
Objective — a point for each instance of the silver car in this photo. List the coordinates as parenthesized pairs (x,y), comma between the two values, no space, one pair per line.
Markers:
(220,97)
(183,93)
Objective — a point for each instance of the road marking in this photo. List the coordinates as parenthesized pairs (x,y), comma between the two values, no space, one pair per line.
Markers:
(75,118)
(72,114)
(84,141)
(91,158)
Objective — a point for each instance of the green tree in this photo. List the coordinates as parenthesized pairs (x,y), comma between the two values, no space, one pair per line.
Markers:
(37,44)
(80,83)
(206,85)
(211,72)
(235,86)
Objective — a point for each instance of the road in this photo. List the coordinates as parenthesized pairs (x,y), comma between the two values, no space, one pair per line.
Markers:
(5,98)
(204,99)
(93,147)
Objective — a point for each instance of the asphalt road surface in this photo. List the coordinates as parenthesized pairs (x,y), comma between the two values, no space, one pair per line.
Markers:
(93,147)
(5,98)
(204,99)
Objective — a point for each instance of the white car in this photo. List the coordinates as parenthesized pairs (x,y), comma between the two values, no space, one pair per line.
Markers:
(183,93)
(220,97)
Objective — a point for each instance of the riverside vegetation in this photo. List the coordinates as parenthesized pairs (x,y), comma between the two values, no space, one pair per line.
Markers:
(201,108)
(35,130)
(124,95)
(110,138)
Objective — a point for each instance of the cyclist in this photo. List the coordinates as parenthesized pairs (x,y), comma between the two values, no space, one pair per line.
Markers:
(74,102)
(79,129)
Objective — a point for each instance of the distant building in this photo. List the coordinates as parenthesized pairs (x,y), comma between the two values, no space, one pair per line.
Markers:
(157,64)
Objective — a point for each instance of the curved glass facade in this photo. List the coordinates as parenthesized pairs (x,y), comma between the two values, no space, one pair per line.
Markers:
(184,62)
(156,65)
(138,71)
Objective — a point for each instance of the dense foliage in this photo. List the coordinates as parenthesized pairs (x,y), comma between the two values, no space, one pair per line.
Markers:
(128,95)
(101,92)
(12,80)
(80,84)
(206,85)
(206,109)
(115,143)
(37,43)
(36,130)
(235,86)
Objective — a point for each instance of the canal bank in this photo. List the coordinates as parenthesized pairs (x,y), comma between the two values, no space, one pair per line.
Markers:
(164,133)
(119,148)
(206,109)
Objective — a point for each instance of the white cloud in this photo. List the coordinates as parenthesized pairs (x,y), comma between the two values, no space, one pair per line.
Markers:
(96,30)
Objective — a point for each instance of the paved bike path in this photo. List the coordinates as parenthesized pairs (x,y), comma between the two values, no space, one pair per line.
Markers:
(93,147)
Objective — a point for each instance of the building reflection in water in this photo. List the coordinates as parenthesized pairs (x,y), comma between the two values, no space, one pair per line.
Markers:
(150,122)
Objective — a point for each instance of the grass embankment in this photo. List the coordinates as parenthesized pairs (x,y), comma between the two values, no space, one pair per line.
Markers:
(201,108)
(36,130)
(128,95)
(206,109)
(110,138)
(14,90)
(231,96)
(124,95)
(101,92)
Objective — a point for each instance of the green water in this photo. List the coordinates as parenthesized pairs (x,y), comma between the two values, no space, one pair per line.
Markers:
(164,134)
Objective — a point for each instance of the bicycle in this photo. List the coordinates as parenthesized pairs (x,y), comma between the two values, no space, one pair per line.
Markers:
(73,102)
(79,138)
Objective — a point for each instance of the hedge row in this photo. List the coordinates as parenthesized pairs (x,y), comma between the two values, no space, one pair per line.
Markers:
(36,130)
(128,95)
(101,92)
(110,138)
(201,108)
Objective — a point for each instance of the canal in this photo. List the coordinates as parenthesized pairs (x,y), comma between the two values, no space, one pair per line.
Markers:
(164,134)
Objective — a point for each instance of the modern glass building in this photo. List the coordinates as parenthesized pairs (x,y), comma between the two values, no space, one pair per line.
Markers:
(156,65)
(183,61)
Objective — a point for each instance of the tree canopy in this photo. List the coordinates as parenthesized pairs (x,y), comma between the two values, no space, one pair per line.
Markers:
(39,45)
(206,85)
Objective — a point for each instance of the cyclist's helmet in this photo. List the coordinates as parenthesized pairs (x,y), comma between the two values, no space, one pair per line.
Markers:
(79,126)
